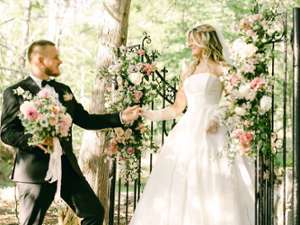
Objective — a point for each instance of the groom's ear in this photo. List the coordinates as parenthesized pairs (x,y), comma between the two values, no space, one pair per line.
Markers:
(39,60)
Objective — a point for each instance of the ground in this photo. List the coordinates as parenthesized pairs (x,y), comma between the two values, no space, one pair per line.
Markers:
(8,209)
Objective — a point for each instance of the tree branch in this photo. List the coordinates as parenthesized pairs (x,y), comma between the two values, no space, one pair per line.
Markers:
(7,21)
(12,70)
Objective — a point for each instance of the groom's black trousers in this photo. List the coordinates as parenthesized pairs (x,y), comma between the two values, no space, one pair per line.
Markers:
(35,199)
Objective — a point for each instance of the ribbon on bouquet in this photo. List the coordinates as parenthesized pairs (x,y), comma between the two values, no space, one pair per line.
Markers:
(54,172)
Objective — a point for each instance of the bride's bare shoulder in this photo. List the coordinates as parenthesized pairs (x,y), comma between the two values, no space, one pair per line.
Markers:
(221,69)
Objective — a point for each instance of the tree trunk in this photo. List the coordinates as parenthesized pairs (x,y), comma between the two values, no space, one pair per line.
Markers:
(26,26)
(57,10)
(112,33)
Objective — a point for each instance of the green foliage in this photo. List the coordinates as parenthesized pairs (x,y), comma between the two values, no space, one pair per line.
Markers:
(166,21)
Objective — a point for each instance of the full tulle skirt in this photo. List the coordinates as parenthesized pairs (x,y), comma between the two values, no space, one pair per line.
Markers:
(194,183)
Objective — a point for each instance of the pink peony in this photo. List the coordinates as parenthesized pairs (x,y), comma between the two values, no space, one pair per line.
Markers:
(257,83)
(29,111)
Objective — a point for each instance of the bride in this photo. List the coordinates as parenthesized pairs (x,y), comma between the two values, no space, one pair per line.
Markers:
(192,182)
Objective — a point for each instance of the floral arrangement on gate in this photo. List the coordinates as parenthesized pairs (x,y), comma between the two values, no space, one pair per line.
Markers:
(129,83)
(43,116)
(248,86)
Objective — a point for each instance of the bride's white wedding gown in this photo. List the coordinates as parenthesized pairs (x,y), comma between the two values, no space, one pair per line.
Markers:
(192,183)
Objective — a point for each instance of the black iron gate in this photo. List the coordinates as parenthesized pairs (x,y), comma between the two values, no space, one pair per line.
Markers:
(124,194)
(276,175)
(296,108)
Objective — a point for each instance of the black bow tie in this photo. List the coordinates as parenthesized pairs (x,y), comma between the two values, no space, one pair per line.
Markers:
(45,82)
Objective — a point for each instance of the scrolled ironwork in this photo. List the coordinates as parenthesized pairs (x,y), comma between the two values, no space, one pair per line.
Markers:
(146,40)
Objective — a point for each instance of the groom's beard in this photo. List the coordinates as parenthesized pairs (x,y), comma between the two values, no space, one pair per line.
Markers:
(50,73)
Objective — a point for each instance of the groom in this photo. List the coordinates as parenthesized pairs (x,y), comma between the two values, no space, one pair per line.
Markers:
(31,162)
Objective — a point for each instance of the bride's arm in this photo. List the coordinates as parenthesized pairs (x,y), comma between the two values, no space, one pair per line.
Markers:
(170,112)
(174,110)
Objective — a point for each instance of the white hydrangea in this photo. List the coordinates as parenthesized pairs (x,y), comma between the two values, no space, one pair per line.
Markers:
(265,104)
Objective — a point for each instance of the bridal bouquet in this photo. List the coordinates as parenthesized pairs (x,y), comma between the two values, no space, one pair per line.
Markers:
(43,116)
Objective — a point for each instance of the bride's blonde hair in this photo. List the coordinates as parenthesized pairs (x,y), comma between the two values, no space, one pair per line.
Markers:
(205,37)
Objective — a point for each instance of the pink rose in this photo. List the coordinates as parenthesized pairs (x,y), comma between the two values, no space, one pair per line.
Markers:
(65,124)
(53,120)
(248,68)
(148,68)
(137,96)
(44,93)
(142,128)
(251,33)
(130,150)
(234,80)
(257,83)
(237,133)
(141,52)
(29,111)
(112,147)
(245,24)
(55,109)
(256,17)
(246,139)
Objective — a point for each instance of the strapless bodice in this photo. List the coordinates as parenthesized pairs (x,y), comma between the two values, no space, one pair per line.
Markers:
(202,89)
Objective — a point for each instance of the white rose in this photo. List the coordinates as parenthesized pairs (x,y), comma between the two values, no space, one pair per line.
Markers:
(240,111)
(136,78)
(242,49)
(265,104)
(244,90)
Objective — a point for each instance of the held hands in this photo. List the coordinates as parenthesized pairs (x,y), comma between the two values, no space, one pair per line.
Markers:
(167,113)
(131,113)
(212,127)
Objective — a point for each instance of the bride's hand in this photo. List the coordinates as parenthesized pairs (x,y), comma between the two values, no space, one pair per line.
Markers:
(149,114)
(145,113)
(212,127)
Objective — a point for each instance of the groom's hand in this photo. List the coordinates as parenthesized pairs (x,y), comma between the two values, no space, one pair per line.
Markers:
(130,114)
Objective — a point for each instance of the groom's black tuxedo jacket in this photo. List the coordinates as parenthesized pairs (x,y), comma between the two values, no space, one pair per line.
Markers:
(31,163)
